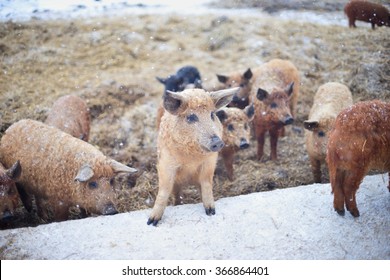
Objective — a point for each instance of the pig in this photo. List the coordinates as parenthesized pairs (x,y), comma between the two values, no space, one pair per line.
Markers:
(71,114)
(243,81)
(9,196)
(187,76)
(236,133)
(60,170)
(358,143)
(329,100)
(274,92)
(188,142)
(366,11)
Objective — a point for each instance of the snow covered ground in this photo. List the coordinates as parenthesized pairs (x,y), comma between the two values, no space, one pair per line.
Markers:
(290,224)
(21,10)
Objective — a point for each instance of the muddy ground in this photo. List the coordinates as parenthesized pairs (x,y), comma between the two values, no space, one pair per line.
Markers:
(112,63)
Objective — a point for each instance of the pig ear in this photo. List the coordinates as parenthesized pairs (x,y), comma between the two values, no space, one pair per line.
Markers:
(121,168)
(85,173)
(261,94)
(223,97)
(290,89)
(248,74)
(222,116)
(161,80)
(250,111)
(223,79)
(14,171)
(310,125)
(174,102)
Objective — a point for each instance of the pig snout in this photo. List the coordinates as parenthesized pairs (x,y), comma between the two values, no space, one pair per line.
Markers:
(244,144)
(7,216)
(216,143)
(109,209)
(288,120)
(236,99)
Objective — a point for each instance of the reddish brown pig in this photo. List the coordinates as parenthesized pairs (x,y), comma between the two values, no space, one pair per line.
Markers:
(189,139)
(366,11)
(241,80)
(236,133)
(9,197)
(60,170)
(329,100)
(70,114)
(275,93)
(358,143)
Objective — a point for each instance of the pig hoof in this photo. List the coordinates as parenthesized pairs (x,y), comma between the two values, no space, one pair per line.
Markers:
(355,213)
(210,211)
(340,212)
(152,221)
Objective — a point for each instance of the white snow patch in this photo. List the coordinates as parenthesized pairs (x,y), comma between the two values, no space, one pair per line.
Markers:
(294,223)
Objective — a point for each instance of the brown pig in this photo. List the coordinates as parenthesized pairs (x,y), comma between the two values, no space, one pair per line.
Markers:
(358,143)
(60,170)
(367,11)
(70,114)
(189,139)
(329,100)
(9,197)
(243,81)
(236,133)
(275,93)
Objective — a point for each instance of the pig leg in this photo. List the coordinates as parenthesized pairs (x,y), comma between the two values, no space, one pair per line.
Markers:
(389,183)
(316,169)
(351,22)
(260,144)
(61,212)
(206,185)
(337,181)
(351,185)
(25,198)
(42,209)
(274,135)
(165,187)
(228,157)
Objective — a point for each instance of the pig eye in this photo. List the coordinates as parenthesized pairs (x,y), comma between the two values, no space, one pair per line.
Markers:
(321,134)
(274,105)
(112,180)
(212,115)
(92,185)
(230,127)
(192,118)
(246,126)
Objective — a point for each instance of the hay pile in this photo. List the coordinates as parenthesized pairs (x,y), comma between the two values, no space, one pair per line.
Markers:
(112,63)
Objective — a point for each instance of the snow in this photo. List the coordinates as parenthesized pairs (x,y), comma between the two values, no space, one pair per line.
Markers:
(21,10)
(286,224)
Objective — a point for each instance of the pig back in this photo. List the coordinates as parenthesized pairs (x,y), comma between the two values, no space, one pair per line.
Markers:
(49,157)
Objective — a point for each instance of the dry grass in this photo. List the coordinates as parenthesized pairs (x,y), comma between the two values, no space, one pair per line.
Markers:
(113,62)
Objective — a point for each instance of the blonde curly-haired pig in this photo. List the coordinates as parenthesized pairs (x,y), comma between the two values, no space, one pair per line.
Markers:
(329,100)
(189,139)
(70,113)
(60,170)
(9,196)
(236,133)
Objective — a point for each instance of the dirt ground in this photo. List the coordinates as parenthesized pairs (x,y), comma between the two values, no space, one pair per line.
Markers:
(112,63)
